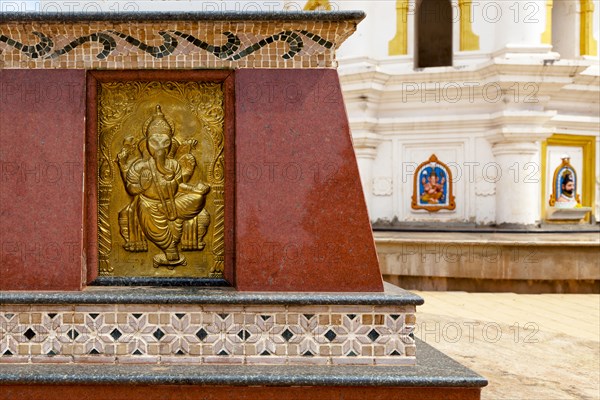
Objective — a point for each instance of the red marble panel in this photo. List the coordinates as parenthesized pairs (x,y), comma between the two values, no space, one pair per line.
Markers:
(103,392)
(42,131)
(301,218)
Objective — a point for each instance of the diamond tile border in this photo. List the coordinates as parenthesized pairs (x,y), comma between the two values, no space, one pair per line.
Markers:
(350,335)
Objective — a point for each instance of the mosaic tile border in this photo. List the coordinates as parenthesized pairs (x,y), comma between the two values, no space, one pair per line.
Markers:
(172,44)
(230,51)
(290,335)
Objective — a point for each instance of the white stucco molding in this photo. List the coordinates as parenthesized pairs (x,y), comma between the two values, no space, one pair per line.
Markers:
(575,124)
(520,129)
(539,51)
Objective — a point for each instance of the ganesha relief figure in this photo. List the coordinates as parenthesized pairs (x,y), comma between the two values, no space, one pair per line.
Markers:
(165,207)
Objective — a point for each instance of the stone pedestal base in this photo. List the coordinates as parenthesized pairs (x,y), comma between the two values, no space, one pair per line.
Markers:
(434,377)
(534,262)
(568,215)
(208,326)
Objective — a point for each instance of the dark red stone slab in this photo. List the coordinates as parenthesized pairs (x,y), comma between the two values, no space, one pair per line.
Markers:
(173,392)
(301,219)
(42,131)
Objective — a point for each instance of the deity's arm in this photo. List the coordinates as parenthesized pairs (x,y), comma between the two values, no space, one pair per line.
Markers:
(176,168)
(133,179)
(127,156)
(188,165)
(186,159)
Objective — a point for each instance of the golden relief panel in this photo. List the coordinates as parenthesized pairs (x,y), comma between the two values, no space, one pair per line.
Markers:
(161,179)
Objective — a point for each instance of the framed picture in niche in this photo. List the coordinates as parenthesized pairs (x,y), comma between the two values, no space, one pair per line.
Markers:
(564,186)
(432,186)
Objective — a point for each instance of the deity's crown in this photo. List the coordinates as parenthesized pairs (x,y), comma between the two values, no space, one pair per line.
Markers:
(158,124)
(567,177)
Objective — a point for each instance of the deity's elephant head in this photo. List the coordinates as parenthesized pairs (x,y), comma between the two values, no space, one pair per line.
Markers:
(159,134)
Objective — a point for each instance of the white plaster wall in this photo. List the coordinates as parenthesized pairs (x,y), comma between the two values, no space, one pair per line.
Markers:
(498,24)
(468,158)
(379,27)
(517,23)
(597,24)
(483,26)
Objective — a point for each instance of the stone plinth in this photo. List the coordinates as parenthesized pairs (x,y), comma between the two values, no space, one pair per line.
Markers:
(434,377)
(208,326)
(558,214)
(487,261)
(301,305)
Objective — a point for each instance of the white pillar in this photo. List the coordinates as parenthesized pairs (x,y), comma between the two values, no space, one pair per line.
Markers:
(518,25)
(518,182)
(365,157)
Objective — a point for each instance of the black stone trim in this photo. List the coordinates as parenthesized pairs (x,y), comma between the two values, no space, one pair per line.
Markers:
(43,47)
(162,282)
(318,39)
(184,16)
(393,296)
(232,45)
(107,41)
(164,50)
(433,369)
(290,37)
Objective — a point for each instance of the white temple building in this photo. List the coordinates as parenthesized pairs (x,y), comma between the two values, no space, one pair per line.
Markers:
(499,91)
(501,99)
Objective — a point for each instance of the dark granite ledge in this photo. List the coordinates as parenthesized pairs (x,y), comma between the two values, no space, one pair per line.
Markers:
(393,296)
(434,369)
(184,16)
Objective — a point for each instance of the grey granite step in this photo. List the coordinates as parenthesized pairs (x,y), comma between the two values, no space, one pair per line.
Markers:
(185,16)
(433,369)
(392,296)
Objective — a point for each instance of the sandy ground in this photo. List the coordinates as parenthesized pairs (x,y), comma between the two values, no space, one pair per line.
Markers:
(531,347)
